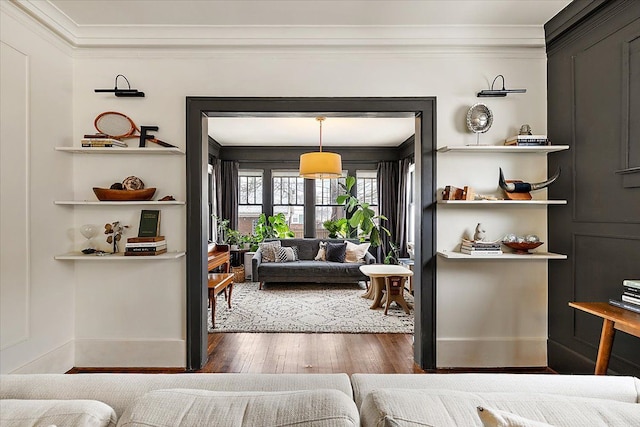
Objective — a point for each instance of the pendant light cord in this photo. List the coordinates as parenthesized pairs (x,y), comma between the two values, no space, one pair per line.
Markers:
(320,119)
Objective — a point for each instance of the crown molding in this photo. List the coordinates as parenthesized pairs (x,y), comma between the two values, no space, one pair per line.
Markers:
(189,36)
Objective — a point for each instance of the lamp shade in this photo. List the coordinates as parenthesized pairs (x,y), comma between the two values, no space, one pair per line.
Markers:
(319,165)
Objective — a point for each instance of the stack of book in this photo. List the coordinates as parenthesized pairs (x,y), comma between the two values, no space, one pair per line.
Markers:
(527,140)
(145,246)
(471,247)
(630,296)
(101,140)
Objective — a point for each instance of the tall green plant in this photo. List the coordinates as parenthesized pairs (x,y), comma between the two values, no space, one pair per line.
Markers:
(272,227)
(362,219)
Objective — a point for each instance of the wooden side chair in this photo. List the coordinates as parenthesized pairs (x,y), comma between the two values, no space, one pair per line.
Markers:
(394,289)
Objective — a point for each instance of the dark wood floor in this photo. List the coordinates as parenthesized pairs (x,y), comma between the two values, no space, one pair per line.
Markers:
(310,353)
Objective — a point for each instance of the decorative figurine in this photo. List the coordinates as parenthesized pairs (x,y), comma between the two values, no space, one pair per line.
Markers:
(479,235)
(525,130)
(132,183)
(518,190)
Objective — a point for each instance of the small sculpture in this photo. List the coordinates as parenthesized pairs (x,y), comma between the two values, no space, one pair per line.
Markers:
(518,190)
(132,183)
(479,235)
(525,130)
(114,231)
(116,186)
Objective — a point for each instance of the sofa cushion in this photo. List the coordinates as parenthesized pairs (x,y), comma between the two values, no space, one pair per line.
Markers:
(356,253)
(89,413)
(336,252)
(405,407)
(268,250)
(311,271)
(190,407)
(322,252)
(287,254)
(496,418)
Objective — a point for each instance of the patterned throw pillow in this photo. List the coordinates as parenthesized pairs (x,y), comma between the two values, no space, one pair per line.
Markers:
(269,250)
(322,252)
(287,254)
(336,252)
(356,253)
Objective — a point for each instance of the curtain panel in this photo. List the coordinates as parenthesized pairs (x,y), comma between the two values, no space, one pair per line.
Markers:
(226,176)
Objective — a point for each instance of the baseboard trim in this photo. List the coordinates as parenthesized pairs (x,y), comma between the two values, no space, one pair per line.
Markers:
(130,353)
(491,352)
(55,361)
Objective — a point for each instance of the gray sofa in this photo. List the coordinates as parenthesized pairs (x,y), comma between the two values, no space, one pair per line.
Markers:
(316,400)
(308,270)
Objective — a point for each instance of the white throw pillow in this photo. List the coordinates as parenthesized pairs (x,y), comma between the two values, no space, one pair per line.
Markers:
(496,418)
(33,412)
(322,252)
(287,254)
(188,407)
(269,249)
(356,253)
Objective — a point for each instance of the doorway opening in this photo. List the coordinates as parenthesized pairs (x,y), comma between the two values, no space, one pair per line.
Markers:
(198,111)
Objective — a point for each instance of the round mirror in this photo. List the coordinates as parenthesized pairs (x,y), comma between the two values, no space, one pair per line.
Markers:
(479,118)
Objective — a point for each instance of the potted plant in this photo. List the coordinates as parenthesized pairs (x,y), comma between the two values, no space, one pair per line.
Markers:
(362,220)
(272,227)
(246,240)
(234,238)
(223,229)
(336,227)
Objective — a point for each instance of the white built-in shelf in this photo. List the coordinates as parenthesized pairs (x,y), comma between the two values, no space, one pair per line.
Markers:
(501,202)
(79,256)
(114,203)
(120,150)
(542,149)
(530,257)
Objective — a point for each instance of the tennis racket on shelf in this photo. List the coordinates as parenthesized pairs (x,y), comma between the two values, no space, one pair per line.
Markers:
(119,126)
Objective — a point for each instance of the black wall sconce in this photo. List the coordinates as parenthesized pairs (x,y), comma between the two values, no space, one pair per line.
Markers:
(493,93)
(123,92)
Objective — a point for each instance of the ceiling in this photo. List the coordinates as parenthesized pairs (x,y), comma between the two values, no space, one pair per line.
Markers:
(294,23)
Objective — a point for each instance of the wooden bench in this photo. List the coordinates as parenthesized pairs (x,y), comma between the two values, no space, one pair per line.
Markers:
(217,283)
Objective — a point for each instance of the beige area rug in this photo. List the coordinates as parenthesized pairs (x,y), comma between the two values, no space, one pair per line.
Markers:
(311,308)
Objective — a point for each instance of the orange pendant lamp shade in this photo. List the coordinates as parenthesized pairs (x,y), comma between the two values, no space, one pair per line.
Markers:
(320,164)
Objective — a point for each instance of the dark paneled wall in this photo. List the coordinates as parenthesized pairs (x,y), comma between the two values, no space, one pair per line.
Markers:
(593,92)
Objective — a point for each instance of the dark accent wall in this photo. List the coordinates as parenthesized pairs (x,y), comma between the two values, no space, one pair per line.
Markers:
(593,50)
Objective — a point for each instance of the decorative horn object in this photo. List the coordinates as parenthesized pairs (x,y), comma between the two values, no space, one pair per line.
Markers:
(525,187)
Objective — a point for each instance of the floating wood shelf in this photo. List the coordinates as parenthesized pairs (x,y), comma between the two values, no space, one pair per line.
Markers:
(79,256)
(110,203)
(507,255)
(543,149)
(120,150)
(501,202)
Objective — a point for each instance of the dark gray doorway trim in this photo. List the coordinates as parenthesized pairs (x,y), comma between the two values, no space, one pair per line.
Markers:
(198,108)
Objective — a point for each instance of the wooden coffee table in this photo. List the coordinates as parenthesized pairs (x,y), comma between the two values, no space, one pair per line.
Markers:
(217,283)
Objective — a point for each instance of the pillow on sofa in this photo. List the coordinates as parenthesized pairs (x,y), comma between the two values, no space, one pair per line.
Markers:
(497,418)
(356,253)
(336,252)
(18,412)
(287,254)
(322,252)
(269,249)
(186,407)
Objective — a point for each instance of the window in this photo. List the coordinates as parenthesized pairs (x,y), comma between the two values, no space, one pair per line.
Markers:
(327,190)
(288,198)
(367,188)
(249,199)
(411,206)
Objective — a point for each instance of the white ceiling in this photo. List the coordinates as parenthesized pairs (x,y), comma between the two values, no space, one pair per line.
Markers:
(229,23)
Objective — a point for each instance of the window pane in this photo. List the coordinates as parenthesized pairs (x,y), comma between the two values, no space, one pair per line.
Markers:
(294,215)
(249,199)
(288,198)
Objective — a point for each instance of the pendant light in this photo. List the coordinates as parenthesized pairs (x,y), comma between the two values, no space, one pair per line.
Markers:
(320,164)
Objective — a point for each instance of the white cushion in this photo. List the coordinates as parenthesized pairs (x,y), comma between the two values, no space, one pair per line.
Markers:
(287,254)
(405,407)
(356,253)
(496,418)
(268,250)
(86,413)
(188,407)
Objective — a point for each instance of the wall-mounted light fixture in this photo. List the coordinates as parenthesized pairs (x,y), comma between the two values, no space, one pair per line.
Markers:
(498,92)
(123,92)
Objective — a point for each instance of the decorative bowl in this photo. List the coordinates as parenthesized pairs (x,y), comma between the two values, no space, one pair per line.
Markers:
(522,248)
(109,195)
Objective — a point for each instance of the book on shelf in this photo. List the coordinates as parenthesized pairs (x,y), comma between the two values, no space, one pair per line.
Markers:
(149,223)
(145,244)
(145,239)
(146,249)
(531,143)
(631,283)
(481,252)
(625,305)
(145,253)
(102,142)
(631,291)
(526,138)
(631,299)
(480,244)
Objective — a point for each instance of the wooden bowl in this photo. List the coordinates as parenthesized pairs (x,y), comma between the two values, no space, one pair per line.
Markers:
(109,195)
(522,248)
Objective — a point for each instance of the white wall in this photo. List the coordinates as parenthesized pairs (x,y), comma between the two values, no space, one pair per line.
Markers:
(133,313)
(168,76)
(37,293)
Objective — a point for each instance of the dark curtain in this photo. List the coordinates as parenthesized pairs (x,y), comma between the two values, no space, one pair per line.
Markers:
(387,203)
(226,176)
(400,236)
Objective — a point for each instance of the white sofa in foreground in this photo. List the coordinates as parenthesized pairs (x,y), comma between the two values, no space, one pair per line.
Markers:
(318,400)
